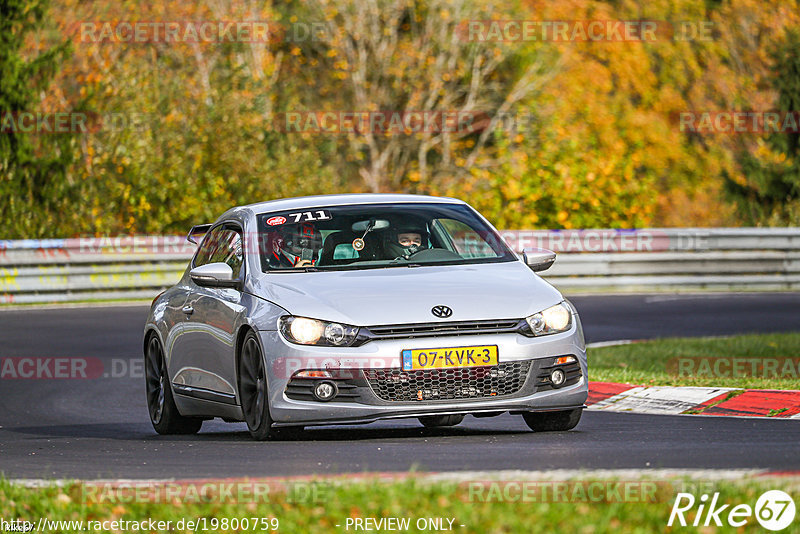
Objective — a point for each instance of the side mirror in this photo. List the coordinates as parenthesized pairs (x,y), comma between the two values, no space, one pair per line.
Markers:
(214,275)
(538,259)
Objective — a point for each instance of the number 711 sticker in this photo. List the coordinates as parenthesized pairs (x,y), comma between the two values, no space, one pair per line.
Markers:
(301,216)
(307,216)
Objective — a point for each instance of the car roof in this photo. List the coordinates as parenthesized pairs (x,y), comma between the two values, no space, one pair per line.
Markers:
(336,200)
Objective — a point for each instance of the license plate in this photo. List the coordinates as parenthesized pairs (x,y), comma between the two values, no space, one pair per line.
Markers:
(479,356)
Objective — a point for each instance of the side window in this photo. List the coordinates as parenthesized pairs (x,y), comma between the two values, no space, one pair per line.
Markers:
(468,243)
(222,244)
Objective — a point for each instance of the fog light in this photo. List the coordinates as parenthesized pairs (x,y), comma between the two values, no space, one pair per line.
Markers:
(325,390)
(557,377)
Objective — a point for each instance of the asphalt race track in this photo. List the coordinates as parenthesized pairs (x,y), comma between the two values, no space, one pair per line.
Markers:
(99,428)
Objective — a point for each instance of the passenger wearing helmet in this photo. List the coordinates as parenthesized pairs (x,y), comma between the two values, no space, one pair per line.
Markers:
(295,245)
(406,240)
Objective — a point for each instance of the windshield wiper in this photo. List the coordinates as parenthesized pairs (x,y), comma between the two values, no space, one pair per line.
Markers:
(309,269)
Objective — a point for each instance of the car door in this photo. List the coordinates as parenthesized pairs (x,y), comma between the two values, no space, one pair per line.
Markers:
(205,366)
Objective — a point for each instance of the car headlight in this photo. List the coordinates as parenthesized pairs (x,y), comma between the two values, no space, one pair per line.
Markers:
(553,320)
(305,331)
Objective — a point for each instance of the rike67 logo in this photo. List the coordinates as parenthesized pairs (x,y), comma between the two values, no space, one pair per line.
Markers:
(774,510)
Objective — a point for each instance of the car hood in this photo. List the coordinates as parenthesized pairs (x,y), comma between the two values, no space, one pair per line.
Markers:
(401,295)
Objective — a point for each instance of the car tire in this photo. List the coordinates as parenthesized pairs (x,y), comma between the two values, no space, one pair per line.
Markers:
(434,421)
(253,389)
(553,421)
(164,414)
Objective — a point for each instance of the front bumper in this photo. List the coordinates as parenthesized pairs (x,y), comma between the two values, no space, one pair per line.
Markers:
(284,359)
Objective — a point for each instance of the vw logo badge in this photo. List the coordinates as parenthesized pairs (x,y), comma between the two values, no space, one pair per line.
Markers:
(441,311)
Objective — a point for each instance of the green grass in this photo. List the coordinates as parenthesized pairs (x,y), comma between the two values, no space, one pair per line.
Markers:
(656,362)
(410,498)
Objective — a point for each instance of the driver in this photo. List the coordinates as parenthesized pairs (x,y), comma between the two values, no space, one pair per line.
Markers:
(409,239)
(296,245)
(406,240)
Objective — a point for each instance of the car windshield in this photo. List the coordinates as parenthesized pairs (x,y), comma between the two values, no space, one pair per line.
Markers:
(370,236)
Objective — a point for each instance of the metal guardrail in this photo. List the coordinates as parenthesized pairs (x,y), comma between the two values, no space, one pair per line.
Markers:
(685,259)
(104,268)
(675,259)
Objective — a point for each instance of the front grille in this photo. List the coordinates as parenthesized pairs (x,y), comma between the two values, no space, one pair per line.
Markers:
(445,329)
(396,385)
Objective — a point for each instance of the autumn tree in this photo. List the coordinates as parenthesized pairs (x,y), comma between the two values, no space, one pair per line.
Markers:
(770,195)
(404,57)
(189,134)
(34,182)
(571,134)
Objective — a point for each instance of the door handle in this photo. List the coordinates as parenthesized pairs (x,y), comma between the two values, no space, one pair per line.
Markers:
(188,310)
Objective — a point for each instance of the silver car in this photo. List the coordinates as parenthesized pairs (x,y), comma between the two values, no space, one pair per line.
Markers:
(348,309)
